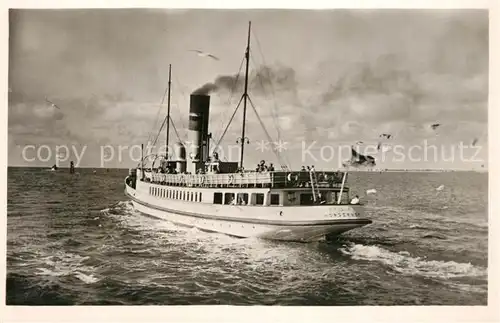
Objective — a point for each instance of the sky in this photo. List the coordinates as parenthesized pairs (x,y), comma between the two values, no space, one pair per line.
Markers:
(320,80)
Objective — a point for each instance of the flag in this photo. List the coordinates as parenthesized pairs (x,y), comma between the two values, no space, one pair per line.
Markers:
(359,160)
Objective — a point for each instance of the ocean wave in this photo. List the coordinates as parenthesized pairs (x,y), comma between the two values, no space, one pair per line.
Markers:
(24,290)
(404,263)
(66,264)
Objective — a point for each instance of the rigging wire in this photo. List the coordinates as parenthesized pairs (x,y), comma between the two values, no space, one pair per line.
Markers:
(229,123)
(273,92)
(231,93)
(282,160)
(213,140)
(161,128)
(159,131)
(175,129)
(267,134)
(150,136)
(273,113)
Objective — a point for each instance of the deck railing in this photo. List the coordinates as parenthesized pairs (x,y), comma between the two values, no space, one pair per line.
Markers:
(277,179)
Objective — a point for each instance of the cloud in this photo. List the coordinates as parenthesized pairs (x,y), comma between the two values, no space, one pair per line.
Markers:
(329,75)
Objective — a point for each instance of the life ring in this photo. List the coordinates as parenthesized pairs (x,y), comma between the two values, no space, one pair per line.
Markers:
(292,177)
(230,179)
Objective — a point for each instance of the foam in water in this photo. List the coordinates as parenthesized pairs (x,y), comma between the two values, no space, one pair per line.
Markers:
(402,262)
(65,264)
(215,253)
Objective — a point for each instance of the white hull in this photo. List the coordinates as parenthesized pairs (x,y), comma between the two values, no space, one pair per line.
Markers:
(304,224)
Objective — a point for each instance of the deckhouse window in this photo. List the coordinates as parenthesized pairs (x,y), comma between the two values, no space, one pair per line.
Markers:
(275,199)
(345,197)
(229,198)
(331,198)
(218,198)
(200,197)
(258,199)
(242,198)
(306,199)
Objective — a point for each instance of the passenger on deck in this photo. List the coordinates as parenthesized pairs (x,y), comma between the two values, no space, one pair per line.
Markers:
(303,169)
(321,198)
(271,167)
(355,200)
(263,166)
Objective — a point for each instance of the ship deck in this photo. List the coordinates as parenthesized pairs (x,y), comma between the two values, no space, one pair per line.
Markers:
(278,179)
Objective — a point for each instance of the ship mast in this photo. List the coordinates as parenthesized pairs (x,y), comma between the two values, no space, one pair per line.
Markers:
(245,95)
(168,109)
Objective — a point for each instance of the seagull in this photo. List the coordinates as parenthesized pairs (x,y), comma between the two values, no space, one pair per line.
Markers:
(434,126)
(204,54)
(52,104)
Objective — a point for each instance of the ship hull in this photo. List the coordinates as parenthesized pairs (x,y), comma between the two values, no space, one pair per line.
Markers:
(305,229)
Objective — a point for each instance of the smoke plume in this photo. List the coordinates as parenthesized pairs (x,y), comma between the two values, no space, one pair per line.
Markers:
(260,81)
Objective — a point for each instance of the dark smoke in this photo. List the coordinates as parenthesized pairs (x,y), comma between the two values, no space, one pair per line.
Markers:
(264,80)
(226,82)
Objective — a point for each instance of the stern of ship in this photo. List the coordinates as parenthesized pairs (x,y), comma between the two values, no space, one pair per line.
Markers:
(131,182)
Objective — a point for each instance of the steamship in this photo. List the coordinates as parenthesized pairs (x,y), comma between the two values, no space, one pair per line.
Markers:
(197,189)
